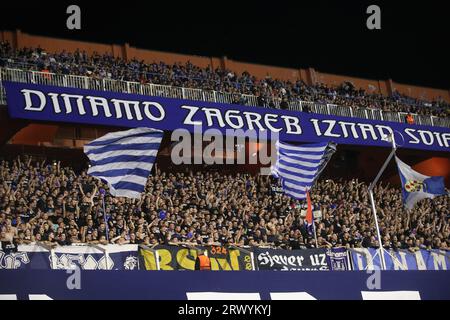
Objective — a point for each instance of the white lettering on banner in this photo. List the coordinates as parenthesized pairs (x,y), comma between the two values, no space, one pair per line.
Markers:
(349,129)
(290,122)
(363,257)
(410,132)
(61,103)
(439,261)
(29,103)
(13,260)
(234,114)
(419,260)
(384,131)
(352,125)
(253,118)
(399,264)
(446,139)
(315,123)
(54,97)
(68,104)
(268,118)
(97,102)
(365,127)
(331,125)
(127,106)
(188,119)
(151,116)
(438,138)
(212,112)
(292,262)
(427,137)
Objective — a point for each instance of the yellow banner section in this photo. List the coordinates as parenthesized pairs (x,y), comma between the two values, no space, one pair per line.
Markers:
(182,258)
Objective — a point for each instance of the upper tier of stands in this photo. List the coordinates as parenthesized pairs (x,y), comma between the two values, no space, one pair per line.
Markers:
(187,81)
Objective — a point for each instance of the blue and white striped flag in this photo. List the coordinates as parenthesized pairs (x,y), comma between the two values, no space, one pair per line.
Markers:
(299,166)
(124,159)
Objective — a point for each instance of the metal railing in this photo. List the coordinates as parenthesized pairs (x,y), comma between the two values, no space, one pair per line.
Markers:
(104,84)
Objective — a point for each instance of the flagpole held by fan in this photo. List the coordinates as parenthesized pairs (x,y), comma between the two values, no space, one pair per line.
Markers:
(310,216)
(102,195)
(372,200)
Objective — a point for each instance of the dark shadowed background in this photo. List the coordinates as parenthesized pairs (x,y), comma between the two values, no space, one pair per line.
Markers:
(330,36)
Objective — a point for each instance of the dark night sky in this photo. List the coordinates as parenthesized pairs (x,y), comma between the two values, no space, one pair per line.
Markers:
(331,36)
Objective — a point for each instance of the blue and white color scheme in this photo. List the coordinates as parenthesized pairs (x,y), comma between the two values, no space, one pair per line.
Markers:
(99,257)
(369,259)
(71,105)
(124,159)
(299,166)
(416,186)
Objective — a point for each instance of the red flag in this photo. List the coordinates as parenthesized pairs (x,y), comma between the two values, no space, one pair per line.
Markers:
(309,214)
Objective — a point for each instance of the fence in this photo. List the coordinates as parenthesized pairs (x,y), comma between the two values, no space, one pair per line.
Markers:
(149,89)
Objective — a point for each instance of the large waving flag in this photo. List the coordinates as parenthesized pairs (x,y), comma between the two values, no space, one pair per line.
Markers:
(416,186)
(299,166)
(124,159)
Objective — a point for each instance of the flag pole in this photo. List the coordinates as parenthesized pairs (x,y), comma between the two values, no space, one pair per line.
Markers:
(309,207)
(372,200)
(102,193)
(315,234)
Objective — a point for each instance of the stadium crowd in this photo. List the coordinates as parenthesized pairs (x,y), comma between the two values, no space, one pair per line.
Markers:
(267,90)
(48,203)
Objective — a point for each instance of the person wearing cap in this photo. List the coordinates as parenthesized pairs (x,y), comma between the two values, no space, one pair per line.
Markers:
(202,263)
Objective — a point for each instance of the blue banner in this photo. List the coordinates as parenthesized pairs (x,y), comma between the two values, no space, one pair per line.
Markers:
(109,257)
(238,285)
(338,259)
(71,105)
(367,258)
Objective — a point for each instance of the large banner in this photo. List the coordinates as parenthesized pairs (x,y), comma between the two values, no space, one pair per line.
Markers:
(239,285)
(291,260)
(102,257)
(183,258)
(367,258)
(50,103)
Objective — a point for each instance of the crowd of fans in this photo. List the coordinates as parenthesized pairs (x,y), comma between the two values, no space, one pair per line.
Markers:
(187,75)
(48,203)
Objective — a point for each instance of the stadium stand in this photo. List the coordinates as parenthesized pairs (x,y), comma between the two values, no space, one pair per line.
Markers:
(48,203)
(57,206)
(269,92)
